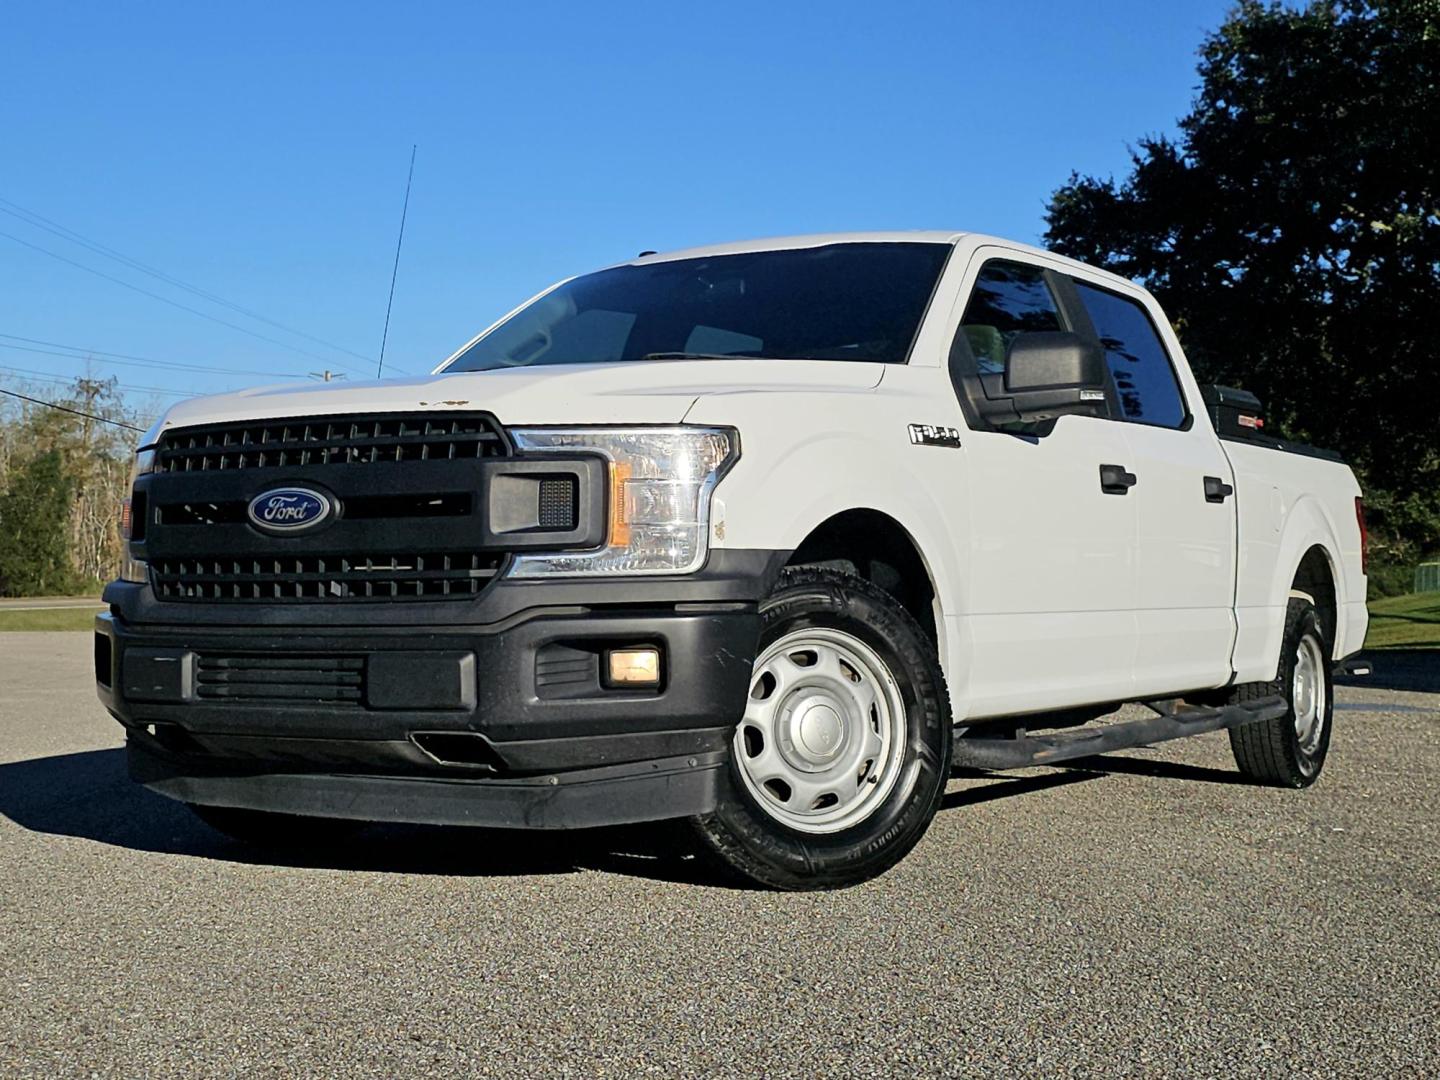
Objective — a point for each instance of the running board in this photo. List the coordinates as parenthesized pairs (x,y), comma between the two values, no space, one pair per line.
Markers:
(1355,667)
(1174,721)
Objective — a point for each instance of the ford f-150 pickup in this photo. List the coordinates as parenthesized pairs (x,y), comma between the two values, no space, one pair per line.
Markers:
(768,536)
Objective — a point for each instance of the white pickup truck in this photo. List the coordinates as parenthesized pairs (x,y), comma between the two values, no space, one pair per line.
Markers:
(769,536)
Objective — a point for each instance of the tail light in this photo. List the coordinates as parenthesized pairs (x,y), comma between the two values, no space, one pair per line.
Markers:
(125,519)
(1364,534)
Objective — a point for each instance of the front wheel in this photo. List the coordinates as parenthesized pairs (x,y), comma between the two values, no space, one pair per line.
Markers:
(840,760)
(1290,750)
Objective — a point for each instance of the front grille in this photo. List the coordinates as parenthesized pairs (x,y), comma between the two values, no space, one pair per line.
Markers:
(322,578)
(331,440)
(407,487)
(281,680)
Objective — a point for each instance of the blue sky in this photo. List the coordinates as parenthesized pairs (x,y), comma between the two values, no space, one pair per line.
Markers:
(259,151)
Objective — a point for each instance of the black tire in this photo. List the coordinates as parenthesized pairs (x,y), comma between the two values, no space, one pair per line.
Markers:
(279,832)
(749,841)
(1272,752)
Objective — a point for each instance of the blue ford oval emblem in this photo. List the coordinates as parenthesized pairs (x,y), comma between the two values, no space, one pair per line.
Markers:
(289,509)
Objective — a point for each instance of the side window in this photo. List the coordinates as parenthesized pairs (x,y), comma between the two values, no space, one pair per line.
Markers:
(1008,298)
(1144,378)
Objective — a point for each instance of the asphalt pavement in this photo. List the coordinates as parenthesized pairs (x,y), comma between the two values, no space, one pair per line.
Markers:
(1142,914)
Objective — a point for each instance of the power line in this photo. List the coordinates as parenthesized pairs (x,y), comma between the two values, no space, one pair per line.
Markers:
(173,303)
(39,221)
(75,412)
(45,376)
(78,352)
(395,270)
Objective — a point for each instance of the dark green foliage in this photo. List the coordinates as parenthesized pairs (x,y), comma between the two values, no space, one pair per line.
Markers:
(1293,234)
(35,528)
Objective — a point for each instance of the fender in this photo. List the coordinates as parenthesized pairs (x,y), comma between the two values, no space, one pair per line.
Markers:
(1306,525)
(792,477)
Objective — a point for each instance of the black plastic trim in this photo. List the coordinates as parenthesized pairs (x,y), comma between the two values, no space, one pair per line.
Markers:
(609,795)
(708,655)
(1173,722)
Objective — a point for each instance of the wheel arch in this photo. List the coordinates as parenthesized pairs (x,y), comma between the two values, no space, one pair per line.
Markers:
(874,545)
(1309,562)
(1315,576)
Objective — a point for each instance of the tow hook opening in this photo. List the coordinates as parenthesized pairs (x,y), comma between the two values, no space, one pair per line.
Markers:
(458,749)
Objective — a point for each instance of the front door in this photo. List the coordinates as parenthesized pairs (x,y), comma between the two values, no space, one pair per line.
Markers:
(1051,610)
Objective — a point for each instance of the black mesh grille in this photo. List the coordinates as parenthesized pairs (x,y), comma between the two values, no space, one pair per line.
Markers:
(557,503)
(204,551)
(324,578)
(331,440)
(281,680)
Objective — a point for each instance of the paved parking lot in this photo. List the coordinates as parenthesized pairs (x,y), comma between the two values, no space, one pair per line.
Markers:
(1136,915)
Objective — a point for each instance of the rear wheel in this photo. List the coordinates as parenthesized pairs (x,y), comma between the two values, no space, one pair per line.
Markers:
(263,829)
(841,758)
(1290,750)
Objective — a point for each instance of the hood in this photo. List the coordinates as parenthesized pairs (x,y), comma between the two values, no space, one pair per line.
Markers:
(649,392)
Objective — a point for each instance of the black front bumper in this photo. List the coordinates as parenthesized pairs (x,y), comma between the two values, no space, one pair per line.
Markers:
(498,715)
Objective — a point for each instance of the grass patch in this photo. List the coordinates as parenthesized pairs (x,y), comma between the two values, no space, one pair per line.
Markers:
(74,618)
(1410,621)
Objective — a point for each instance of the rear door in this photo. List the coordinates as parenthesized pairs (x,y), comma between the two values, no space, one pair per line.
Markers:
(1185,567)
(1050,613)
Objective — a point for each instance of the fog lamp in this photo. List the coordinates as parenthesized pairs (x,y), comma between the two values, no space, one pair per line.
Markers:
(634,667)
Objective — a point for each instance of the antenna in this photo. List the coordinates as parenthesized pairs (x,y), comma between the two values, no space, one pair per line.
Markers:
(394,272)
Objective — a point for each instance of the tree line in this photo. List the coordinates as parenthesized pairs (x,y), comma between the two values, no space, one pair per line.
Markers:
(1292,231)
(62,479)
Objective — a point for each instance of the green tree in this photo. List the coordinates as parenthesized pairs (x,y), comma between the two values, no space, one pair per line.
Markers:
(1292,231)
(35,528)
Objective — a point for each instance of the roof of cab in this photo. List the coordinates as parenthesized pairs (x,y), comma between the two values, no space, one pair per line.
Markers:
(780,243)
(913,236)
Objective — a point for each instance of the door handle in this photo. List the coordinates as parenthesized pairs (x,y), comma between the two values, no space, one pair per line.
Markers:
(1114,480)
(1216,490)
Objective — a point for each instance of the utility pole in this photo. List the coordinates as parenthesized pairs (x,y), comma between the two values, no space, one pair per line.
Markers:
(89,390)
(327,375)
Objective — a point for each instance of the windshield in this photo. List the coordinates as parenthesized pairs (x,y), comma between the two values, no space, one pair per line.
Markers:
(859,301)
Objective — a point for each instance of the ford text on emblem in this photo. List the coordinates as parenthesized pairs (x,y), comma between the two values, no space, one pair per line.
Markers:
(289,509)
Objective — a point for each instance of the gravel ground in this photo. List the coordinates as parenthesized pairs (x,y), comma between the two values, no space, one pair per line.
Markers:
(1138,915)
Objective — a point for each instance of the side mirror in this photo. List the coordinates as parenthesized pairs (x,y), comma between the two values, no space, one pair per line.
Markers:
(1048,373)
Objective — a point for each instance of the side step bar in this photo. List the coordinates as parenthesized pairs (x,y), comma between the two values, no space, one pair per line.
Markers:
(1174,721)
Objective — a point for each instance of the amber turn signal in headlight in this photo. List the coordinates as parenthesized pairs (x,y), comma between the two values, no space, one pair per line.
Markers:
(633,667)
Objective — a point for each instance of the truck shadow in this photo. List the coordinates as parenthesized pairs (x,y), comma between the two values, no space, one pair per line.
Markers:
(1399,669)
(1108,764)
(1005,786)
(88,795)
(1078,771)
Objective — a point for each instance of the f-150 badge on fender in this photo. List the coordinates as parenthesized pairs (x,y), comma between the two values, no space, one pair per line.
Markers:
(934,435)
(289,509)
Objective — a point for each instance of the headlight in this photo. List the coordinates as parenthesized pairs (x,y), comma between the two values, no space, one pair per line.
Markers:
(659,498)
(133,569)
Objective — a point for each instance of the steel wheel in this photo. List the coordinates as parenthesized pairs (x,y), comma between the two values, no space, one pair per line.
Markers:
(820,745)
(1308,694)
